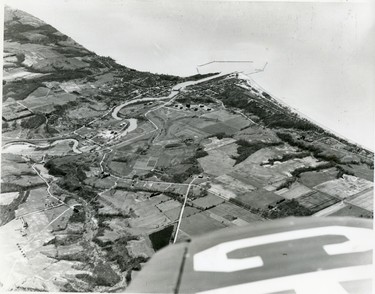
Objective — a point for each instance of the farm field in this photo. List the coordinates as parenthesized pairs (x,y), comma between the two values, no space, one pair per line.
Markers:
(312,179)
(102,163)
(215,143)
(236,185)
(219,161)
(84,112)
(257,133)
(199,224)
(174,214)
(344,187)
(40,149)
(16,172)
(37,199)
(46,104)
(140,248)
(218,128)
(231,212)
(261,199)
(295,191)
(14,110)
(221,191)
(362,171)
(352,210)
(18,73)
(208,201)
(27,258)
(8,198)
(364,200)
(317,201)
(168,205)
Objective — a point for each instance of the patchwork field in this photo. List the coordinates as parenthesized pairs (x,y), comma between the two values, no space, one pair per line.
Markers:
(363,199)
(295,191)
(236,185)
(232,212)
(97,159)
(219,161)
(220,115)
(261,199)
(215,143)
(221,191)
(174,214)
(344,187)
(317,201)
(14,110)
(38,199)
(208,201)
(46,104)
(362,171)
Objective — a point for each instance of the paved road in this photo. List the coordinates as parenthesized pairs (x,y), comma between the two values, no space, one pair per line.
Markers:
(175,90)
(140,100)
(48,186)
(182,210)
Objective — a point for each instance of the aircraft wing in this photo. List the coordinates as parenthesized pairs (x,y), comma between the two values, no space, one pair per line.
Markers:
(293,255)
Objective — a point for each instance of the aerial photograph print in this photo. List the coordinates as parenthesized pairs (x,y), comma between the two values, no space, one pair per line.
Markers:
(203,146)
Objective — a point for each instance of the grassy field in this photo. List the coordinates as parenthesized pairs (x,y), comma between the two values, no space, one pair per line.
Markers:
(46,104)
(364,200)
(261,199)
(208,201)
(220,115)
(8,198)
(352,210)
(120,168)
(219,128)
(174,214)
(344,187)
(146,216)
(238,123)
(295,191)
(257,133)
(85,111)
(168,205)
(139,248)
(313,178)
(234,184)
(232,212)
(317,201)
(199,224)
(219,161)
(361,170)
(35,201)
(221,191)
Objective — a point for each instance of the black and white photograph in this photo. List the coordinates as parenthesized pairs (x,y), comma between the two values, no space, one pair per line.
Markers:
(187,146)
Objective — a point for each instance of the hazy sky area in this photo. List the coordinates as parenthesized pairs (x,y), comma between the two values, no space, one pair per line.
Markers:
(320,55)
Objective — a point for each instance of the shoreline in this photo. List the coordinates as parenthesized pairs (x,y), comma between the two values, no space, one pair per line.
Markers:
(309,118)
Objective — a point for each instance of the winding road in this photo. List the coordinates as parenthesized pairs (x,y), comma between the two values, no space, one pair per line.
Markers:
(132,122)
(175,91)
